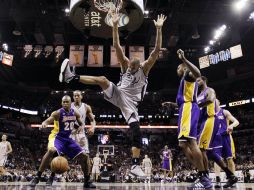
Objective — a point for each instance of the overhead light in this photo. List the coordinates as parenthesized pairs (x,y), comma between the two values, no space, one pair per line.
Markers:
(16,32)
(251,16)
(240,5)
(5,47)
(211,42)
(146,12)
(219,32)
(207,49)
(67,10)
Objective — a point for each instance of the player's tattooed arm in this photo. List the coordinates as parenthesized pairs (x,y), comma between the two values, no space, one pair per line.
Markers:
(91,117)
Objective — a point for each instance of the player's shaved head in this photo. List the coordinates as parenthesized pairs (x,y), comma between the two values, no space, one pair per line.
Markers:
(66,98)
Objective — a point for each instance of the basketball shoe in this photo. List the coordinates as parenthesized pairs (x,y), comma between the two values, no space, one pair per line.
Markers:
(65,72)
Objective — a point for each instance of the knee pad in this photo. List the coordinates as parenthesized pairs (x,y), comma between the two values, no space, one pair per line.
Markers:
(135,134)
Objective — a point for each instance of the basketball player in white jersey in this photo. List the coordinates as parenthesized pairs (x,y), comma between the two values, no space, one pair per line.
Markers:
(5,149)
(131,89)
(85,111)
(96,167)
(147,164)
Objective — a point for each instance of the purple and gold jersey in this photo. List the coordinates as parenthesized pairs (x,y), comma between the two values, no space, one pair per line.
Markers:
(210,109)
(166,155)
(188,109)
(223,122)
(65,124)
(187,92)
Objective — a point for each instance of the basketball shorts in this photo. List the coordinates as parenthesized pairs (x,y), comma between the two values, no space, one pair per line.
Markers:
(208,131)
(118,98)
(167,165)
(95,170)
(82,140)
(2,160)
(188,121)
(228,146)
(66,146)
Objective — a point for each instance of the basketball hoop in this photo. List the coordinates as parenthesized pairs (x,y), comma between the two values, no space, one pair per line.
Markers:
(110,6)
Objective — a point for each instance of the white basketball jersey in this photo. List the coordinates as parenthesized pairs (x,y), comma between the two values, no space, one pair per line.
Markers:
(96,161)
(3,148)
(133,85)
(147,162)
(81,110)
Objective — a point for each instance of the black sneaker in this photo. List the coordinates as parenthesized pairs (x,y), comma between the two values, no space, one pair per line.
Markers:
(50,181)
(34,181)
(89,185)
(231,181)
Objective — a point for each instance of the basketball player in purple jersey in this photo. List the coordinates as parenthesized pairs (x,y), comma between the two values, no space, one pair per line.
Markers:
(227,147)
(79,135)
(209,128)
(166,162)
(188,118)
(130,91)
(60,142)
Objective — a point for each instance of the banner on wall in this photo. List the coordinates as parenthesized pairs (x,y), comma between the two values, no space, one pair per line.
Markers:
(137,51)
(95,56)
(76,56)
(114,62)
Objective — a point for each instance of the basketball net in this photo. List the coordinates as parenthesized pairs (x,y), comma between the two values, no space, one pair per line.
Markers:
(109,6)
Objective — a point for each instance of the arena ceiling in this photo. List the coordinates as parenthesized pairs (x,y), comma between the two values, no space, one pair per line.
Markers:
(45,22)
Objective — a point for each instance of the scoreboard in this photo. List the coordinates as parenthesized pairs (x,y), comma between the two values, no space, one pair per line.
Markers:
(222,56)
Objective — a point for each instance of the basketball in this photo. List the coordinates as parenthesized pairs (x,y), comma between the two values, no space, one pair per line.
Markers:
(59,165)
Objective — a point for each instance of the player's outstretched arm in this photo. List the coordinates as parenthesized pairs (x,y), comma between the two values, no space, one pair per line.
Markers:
(195,72)
(116,43)
(148,64)
(231,118)
(54,116)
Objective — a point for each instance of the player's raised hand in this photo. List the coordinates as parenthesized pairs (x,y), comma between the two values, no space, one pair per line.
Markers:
(115,16)
(160,20)
(180,54)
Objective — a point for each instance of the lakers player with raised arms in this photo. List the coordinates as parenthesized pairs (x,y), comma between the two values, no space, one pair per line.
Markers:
(79,135)
(188,118)
(60,142)
(130,91)
(5,149)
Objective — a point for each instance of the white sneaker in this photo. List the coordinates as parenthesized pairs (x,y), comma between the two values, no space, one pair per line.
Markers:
(65,73)
(136,170)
